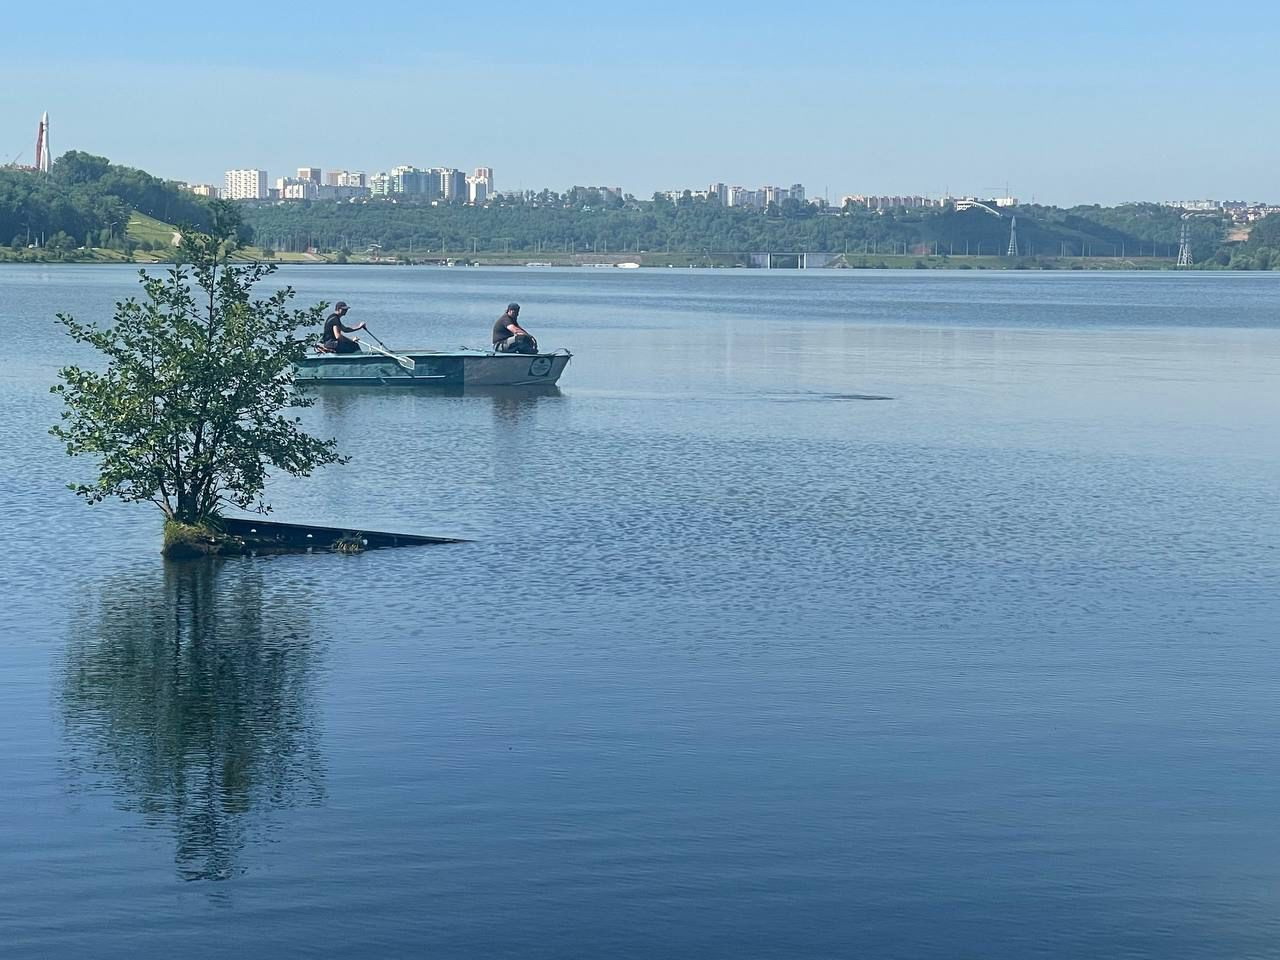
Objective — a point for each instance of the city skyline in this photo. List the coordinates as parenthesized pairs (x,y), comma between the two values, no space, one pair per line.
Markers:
(453,184)
(1108,105)
(727,194)
(338,176)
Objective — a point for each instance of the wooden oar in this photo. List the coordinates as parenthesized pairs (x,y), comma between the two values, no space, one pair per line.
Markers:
(377,338)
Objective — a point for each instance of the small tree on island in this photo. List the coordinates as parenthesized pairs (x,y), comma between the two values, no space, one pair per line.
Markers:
(190,412)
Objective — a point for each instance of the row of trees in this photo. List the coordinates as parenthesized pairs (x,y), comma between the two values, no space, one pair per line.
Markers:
(1260,252)
(615,225)
(86,201)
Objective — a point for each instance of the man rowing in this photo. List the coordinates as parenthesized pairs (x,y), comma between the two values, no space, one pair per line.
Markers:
(333,339)
(509,336)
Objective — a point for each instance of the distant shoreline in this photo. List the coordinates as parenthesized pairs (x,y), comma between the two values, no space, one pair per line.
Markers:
(839,262)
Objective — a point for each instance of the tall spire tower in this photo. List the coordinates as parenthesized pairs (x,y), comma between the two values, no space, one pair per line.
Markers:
(44,160)
(1013,238)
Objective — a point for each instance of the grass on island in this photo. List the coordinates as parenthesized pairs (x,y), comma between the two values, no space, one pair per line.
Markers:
(185,540)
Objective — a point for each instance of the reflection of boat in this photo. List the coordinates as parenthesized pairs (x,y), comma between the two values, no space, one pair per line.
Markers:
(432,368)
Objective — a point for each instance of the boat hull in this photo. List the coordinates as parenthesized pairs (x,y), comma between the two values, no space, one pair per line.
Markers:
(459,370)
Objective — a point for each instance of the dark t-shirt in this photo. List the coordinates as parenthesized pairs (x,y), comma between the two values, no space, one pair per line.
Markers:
(332,326)
(500,331)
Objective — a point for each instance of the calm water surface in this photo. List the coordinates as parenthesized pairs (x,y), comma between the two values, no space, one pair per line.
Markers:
(739,664)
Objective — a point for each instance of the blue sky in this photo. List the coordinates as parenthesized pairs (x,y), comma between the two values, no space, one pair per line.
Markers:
(1086,102)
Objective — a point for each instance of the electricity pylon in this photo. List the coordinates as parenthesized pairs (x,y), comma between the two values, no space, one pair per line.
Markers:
(1184,245)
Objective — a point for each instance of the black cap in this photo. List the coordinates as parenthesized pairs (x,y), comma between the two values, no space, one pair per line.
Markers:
(340,305)
(514,306)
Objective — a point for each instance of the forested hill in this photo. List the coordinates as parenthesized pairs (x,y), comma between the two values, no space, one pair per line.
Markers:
(86,201)
(1261,251)
(695,225)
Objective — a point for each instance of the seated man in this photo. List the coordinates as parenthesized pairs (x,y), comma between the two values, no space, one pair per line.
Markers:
(509,336)
(333,341)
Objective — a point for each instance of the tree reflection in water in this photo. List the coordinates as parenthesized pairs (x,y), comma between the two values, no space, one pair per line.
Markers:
(189,694)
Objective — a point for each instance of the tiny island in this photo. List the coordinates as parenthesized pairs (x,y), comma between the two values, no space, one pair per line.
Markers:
(191,411)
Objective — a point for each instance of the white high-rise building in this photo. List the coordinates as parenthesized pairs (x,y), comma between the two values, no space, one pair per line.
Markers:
(477,189)
(453,184)
(297,188)
(245,185)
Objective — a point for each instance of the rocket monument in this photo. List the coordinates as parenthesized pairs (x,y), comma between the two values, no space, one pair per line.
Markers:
(43,158)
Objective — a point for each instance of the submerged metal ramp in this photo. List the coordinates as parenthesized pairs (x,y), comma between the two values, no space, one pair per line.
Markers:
(268,534)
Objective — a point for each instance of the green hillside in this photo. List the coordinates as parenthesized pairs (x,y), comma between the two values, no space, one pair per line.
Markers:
(157,233)
(81,205)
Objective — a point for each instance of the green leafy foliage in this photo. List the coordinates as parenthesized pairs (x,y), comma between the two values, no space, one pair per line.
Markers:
(88,195)
(1260,252)
(191,410)
(584,219)
(1266,232)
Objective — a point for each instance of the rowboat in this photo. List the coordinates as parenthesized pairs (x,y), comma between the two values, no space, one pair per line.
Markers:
(465,367)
